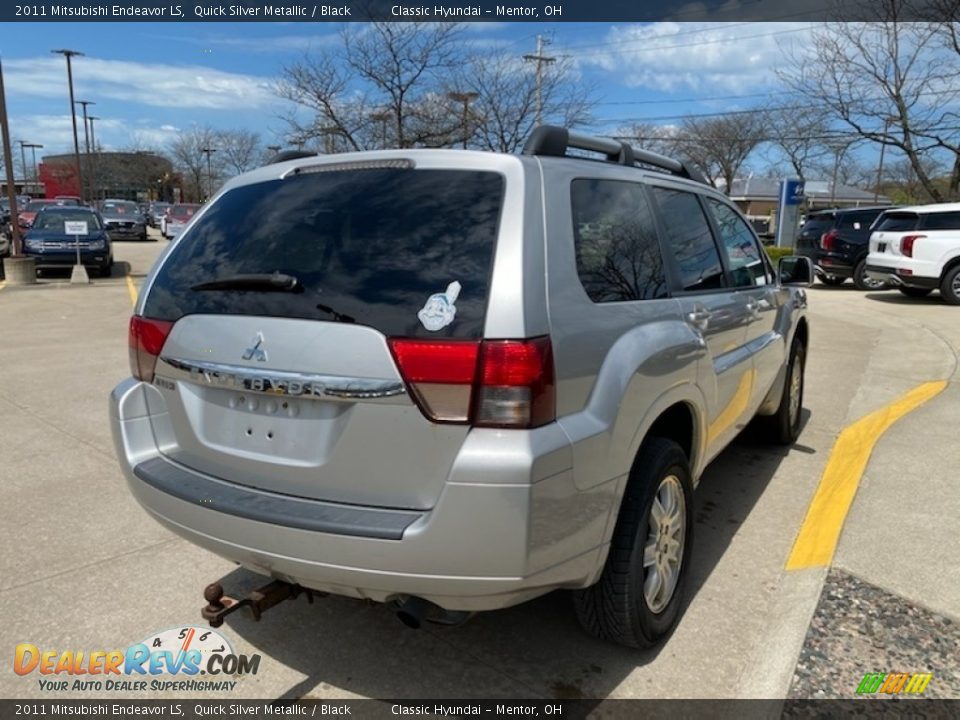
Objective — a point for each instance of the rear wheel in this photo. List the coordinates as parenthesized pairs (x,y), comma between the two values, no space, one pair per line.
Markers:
(950,286)
(783,427)
(862,281)
(915,291)
(832,280)
(636,602)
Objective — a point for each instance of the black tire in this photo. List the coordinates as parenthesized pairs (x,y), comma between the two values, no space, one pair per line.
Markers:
(832,280)
(915,292)
(950,286)
(615,608)
(783,427)
(864,283)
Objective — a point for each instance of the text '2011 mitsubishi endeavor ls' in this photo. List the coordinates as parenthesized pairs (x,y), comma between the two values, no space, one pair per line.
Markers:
(459,380)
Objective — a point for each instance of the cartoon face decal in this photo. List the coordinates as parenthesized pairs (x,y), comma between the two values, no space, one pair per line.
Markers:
(440,310)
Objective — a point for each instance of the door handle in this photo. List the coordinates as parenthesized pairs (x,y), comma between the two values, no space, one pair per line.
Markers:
(699,318)
(753,307)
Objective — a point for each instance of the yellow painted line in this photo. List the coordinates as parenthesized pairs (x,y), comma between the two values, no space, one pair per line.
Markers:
(132,289)
(820,532)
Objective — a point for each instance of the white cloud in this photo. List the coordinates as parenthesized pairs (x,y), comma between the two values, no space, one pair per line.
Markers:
(178,86)
(670,56)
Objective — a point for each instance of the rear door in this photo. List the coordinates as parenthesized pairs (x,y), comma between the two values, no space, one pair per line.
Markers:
(293,388)
(713,310)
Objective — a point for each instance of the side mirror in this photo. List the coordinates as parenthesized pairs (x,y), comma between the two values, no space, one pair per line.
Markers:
(796,271)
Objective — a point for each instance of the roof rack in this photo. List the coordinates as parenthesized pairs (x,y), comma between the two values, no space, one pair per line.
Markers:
(554,141)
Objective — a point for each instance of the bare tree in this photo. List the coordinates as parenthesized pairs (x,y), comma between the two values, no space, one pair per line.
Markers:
(189,151)
(719,146)
(382,87)
(239,150)
(889,82)
(656,138)
(798,136)
(504,112)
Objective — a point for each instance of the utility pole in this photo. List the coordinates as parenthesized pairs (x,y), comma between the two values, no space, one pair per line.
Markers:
(68,54)
(540,59)
(466,98)
(883,146)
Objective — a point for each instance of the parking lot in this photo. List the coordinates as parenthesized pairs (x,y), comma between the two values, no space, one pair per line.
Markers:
(88,569)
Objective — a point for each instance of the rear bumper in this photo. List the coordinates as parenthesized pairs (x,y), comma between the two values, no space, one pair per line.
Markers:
(484,544)
(897,277)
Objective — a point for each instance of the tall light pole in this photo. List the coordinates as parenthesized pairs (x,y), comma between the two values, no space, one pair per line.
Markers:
(33,150)
(208,151)
(23,163)
(68,54)
(466,98)
(96,158)
(86,139)
(8,169)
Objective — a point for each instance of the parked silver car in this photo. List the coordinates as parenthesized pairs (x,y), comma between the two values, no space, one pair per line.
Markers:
(459,380)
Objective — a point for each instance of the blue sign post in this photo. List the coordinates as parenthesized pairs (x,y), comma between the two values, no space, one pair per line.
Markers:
(791,196)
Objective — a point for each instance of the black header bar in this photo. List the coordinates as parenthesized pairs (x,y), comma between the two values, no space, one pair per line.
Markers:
(475,11)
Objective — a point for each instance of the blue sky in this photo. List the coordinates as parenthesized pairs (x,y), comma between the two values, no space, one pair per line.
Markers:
(150,79)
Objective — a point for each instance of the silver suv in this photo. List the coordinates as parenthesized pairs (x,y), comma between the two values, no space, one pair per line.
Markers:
(459,380)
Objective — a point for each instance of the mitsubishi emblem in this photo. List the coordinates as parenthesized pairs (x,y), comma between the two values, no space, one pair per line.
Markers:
(255,352)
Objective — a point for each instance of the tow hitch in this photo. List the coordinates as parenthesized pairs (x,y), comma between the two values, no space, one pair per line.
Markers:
(219,605)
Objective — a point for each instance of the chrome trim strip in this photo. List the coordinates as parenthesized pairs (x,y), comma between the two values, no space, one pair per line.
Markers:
(284,382)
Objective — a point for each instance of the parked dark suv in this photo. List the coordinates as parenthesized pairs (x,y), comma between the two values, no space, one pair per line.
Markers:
(837,243)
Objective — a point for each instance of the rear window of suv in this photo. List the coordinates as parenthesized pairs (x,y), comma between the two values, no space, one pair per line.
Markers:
(896,222)
(369,246)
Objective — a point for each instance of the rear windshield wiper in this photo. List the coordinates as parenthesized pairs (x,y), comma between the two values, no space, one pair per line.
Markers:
(338,316)
(273,282)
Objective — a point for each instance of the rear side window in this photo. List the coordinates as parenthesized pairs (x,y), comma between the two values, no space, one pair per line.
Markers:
(690,240)
(940,221)
(897,222)
(615,238)
(368,246)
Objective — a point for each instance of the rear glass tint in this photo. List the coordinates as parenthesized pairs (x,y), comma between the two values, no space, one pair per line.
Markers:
(368,246)
(861,220)
(817,225)
(896,222)
(941,221)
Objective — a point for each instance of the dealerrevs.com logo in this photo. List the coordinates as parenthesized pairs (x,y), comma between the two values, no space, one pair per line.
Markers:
(189,659)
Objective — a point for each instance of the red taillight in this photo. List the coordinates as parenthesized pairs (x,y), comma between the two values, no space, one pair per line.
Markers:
(828,241)
(146,340)
(906,244)
(493,383)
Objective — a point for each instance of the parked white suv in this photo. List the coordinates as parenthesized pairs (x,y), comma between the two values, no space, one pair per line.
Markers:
(917,250)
